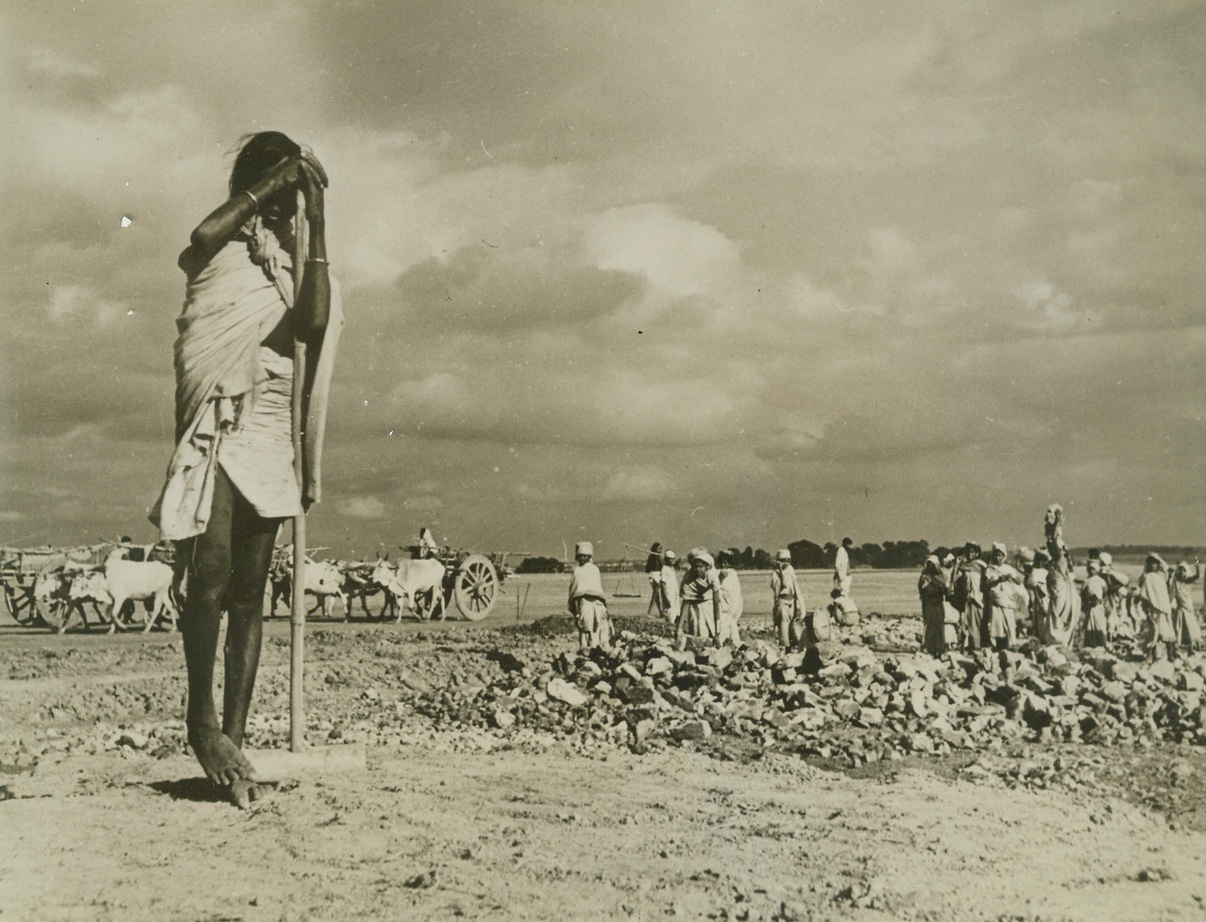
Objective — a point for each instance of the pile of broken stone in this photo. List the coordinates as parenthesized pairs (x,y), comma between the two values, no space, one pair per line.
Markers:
(838,700)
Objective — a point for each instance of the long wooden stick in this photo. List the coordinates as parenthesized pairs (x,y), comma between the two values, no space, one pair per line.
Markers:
(297,616)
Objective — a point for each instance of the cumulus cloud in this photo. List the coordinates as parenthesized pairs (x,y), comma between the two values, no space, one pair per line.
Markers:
(575,404)
(640,483)
(1049,309)
(79,305)
(490,290)
(363,507)
(56,64)
(681,256)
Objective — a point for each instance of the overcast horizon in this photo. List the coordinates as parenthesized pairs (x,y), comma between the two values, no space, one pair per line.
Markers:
(735,274)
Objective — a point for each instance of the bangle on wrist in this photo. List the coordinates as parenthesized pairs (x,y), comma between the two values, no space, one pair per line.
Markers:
(317,259)
(255,202)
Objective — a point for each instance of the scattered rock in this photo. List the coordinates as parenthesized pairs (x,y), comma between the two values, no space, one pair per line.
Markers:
(834,700)
(421,881)
(564,691)
(692,730)
(1154,875)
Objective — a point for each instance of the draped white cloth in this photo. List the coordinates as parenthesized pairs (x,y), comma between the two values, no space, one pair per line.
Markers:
(231,304)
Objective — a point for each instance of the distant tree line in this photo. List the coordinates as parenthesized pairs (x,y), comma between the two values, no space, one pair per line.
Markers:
(890,555)
(540,565)
(805,555)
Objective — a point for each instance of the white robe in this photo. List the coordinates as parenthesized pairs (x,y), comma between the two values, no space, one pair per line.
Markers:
(231,304)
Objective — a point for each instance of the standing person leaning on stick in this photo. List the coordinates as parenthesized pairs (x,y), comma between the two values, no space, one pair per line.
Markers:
(231,479)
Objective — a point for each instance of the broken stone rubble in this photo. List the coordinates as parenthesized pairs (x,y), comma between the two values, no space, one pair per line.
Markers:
(840,700)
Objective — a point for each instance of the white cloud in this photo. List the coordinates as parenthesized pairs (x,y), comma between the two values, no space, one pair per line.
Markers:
(56,63)
(77,304)
(363,507)
(641,483)
(891,253)
(1049,308)
(681,256)
(104,147)
(814,303)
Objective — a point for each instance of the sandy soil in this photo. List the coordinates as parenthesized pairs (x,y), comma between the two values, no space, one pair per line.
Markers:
(443,823)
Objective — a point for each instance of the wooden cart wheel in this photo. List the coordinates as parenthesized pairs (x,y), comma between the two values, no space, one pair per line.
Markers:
(476,587)
(20,601)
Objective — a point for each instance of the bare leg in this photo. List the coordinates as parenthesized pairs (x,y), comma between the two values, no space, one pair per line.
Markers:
(208,560)
(251,548)
(252,552)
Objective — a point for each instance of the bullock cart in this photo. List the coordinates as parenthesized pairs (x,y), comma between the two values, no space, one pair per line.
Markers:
(472,582)
(469,581)
(22,568)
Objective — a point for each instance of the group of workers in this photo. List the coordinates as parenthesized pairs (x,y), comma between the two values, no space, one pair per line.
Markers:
(706,602)
(970,603)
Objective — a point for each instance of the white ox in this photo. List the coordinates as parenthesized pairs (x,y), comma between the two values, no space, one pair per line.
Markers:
(122,580)
(52,596)
(324,581)
(407,580)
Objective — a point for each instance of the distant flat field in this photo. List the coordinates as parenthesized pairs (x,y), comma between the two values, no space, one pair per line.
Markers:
(885,592)
(889,592)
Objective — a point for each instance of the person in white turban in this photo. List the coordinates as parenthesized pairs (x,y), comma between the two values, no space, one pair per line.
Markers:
(1158,634)
(787,602)
(1000,582)
(587,603)
(699,605)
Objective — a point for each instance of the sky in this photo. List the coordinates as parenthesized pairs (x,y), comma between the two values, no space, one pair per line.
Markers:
(715,274)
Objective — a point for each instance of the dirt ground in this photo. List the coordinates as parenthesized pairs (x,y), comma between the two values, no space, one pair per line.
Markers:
(106,816)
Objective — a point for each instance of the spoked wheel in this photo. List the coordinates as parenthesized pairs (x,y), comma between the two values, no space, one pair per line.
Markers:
(475,587)
(19,600)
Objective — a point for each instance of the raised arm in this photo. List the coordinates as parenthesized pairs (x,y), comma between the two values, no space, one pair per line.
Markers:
(224,221)
(312,308)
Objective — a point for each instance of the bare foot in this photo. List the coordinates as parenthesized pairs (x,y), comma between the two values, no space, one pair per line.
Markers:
(243,791)
(223,761)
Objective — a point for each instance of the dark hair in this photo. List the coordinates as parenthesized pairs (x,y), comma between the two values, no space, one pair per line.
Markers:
(972,548)
(847,542)
(653,563)
(835,593)
(260,153)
